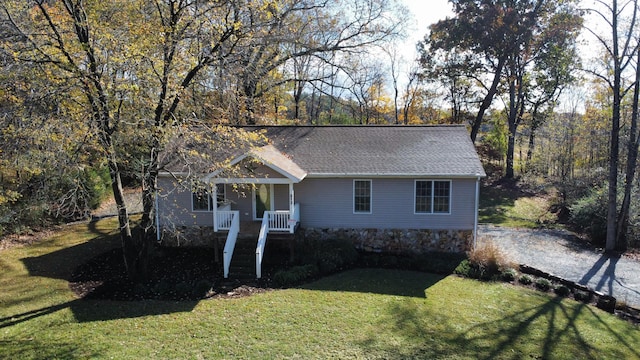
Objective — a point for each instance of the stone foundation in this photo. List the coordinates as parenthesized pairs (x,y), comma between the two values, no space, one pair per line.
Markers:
(189,236)
(391,241)
(399,241)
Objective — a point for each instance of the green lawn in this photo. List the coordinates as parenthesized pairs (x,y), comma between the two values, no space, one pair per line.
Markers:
(364,313)
(510,208)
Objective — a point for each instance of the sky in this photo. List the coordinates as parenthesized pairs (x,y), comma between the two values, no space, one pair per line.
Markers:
(425,13)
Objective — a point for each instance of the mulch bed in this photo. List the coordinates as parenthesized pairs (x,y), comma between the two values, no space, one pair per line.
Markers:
(174,274)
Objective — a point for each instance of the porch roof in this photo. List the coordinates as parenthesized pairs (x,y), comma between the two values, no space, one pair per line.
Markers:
(274,159)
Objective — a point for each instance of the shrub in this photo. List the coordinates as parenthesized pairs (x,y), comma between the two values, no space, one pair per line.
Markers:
(329,255)
(201,288)
(162,288)
(487,259)
(141,289)
(467,269)
(508,275)
(562,290)
(543,284)
(183,289)
(583,296)
(525,280)
(294,275)
(587,214)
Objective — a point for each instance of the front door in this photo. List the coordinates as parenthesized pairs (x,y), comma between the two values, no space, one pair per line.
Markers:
(262,200)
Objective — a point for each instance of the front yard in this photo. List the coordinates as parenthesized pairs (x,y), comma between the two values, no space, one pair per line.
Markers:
(362,313)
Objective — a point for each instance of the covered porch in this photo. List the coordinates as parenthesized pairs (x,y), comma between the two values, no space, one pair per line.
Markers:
(267,203)
(265,219)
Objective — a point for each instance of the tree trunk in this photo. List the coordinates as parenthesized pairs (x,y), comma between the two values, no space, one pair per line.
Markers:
(129,250)
(512,121)
(532,144)
(614,145)
(509,174)
(488,99)
(632,158)
(249,88)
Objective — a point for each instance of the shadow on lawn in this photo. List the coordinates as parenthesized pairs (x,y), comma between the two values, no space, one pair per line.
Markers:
(34,348)
(60,264)
(493,203)
(378,281)
(510,337)
(63,263)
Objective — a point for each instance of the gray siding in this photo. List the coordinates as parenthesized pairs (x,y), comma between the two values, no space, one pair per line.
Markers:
(281,196)
(328,203)
(174,203)
(174,206)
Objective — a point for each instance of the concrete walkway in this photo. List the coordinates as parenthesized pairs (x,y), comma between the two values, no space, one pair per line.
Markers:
(563,254)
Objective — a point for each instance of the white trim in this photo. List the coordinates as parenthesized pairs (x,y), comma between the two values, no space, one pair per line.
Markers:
(254,205)
(433,185)
(264,162)
(252,181)
(353,197)
(394,176)
(475,217)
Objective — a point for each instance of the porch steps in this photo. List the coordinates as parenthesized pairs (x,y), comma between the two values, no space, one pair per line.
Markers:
(243,262)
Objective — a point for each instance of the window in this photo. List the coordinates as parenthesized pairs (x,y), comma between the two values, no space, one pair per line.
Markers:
(362,196)
(432,197)
(202,199)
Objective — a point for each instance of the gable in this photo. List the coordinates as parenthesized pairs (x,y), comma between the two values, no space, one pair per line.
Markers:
(263,162)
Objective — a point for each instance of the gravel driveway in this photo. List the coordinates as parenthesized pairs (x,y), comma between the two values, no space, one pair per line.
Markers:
(561,253)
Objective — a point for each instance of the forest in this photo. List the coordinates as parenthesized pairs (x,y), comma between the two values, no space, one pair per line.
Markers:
(91,91)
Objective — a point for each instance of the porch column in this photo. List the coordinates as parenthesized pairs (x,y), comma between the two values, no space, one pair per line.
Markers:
(214,198)
(291,207)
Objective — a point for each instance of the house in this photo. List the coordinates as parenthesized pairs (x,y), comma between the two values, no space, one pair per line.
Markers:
(395,189)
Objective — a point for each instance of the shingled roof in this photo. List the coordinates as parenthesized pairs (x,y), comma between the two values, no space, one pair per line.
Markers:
(338,151)
(415,151)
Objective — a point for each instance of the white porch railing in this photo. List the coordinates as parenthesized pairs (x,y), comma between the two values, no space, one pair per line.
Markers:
(224,219)
(279,220)
(230,244)
(284,220)
(262,241)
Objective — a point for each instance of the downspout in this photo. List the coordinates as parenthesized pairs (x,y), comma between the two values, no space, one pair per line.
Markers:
(157,218)
(475,217)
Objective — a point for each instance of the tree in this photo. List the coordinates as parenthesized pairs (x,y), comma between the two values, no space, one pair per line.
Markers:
(484,40)
(484,33)
(541,65)
(127,65)
(299,29)
(455,72)
(620,51)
